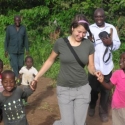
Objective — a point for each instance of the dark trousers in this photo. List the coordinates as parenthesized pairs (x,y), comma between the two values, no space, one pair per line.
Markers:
(98,88)
(16,62)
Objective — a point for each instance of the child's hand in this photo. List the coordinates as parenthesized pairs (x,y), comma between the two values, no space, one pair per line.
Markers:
(97,73)
(33,84)
(100,78)
(18,81)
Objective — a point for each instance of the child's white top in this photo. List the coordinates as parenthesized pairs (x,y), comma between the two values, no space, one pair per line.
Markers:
(27,75)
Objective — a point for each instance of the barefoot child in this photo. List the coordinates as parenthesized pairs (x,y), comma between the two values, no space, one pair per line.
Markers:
(27,73)
(118,99)
(11,100)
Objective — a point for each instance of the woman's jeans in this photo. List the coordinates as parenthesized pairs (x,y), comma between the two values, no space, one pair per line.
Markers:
(73,104)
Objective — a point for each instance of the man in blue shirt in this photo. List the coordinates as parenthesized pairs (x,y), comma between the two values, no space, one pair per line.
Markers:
(16,41)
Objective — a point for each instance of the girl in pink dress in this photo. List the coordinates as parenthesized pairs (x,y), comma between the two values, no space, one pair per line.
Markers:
(118,99)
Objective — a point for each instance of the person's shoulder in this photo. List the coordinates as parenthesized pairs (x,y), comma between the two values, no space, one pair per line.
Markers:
(59,41)
(24,67)
(117,72)
(18,89)
(10,26)
(22,26)
(87,41)
(110,25)
(34,68)
(92,25)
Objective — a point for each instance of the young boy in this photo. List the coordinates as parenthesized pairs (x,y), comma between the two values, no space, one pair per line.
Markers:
(27,73)
(118,99)
(11,100)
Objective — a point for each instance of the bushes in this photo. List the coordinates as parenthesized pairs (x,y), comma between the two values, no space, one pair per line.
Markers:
(42,18)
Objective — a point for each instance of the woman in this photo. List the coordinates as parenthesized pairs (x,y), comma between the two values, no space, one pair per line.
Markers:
(73,90)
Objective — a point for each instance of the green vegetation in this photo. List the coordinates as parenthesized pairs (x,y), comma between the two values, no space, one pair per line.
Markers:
(46,20)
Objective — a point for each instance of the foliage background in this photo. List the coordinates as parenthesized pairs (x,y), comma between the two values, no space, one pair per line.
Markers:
(43,17)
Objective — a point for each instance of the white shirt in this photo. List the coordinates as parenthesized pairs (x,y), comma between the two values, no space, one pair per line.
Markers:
(27,74)
(107,67)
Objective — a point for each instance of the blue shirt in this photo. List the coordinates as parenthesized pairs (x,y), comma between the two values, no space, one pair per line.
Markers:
(16,41)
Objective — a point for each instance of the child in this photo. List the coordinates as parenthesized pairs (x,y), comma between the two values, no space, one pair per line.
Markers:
(118,99)
(1,69)
(11,100)
(27,73)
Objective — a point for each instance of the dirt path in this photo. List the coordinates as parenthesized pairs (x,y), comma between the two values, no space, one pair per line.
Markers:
(43,108)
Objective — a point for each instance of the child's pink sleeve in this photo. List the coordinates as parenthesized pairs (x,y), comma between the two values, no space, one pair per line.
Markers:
(114,78)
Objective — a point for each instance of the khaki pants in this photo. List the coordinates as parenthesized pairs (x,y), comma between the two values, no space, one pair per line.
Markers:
(73,104)
(118,116)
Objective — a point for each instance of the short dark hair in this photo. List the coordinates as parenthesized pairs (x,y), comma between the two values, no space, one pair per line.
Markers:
(1,63)
(17,16)
(10,72)
(28,57)
(99,10)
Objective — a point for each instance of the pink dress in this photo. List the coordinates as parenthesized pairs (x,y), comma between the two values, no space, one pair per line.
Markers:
(118,79)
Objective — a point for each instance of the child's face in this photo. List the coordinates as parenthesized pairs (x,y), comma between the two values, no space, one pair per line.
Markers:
(1,68)
(29,63)
(122,61)
(8,82)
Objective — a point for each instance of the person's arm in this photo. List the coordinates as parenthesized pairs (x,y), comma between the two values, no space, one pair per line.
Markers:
(26,92)
(35,72)
(115,39)
(21,72)
(106,85)
(45,67)
(91,67)
(19,79)
(6,42)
